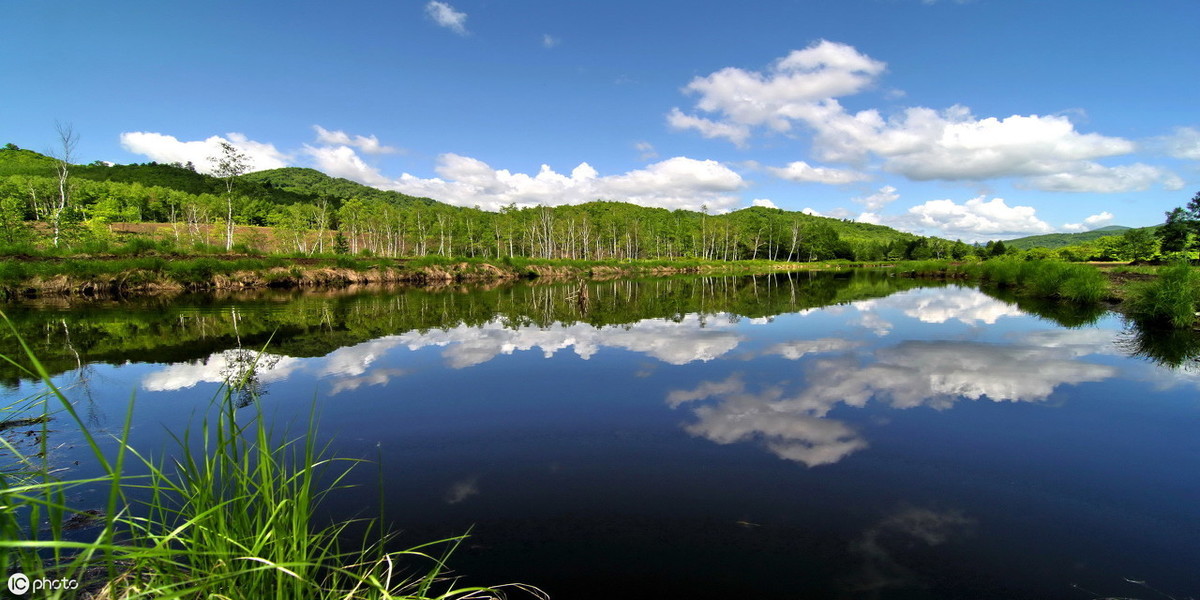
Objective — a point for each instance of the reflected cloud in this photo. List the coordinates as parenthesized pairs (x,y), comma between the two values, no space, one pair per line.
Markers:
(786,431)
(934,305)
(884,545)
(797,349)
(939,305)
(671,342)
(938,373)
(461,490)
(794,425)
(374,377)
(215,368)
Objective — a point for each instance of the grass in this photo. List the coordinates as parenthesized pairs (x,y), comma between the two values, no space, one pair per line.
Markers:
(231,516)
(1169,300)
(1052,279)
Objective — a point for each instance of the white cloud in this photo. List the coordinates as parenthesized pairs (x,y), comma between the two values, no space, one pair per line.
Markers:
(763,202)
(875,202)
(646,150)
(168,149)
(1184,143)
(976,219)
(788,90)
(800,172)
(1094,178)
(368,144)
(1090,223)
(550,41)
(708,128)
(342,161)
(443,14)
(678,182)
(917,142)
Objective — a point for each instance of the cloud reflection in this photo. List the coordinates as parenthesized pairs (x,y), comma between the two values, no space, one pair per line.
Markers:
(215,368)
(672,342)
(791,420)
(785,430)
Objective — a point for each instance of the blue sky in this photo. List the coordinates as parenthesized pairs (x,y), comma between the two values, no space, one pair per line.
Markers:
(980,119)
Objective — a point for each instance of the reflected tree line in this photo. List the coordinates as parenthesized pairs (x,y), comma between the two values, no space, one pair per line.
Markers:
(70,337)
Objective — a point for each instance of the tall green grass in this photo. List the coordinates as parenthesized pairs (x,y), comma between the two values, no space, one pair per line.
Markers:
(1171,299)
(231,516)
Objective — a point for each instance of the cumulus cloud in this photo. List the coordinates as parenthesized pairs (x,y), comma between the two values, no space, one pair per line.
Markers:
(973,220)
(677,182)
(443,14)
(803,89)
(709,128)
(875,202)
(368,144)
(801,172)
(763,202)
(1183,143)
(1095,178)
(549,41)
(169,149)
(343,161)
(1090,223)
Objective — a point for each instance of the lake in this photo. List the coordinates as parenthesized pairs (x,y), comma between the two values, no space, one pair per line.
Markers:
(788,436)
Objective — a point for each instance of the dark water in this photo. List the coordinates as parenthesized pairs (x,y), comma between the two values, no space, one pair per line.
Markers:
(781,437)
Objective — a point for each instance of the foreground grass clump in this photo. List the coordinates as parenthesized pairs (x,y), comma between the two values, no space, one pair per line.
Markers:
(231,516)
(1171,299)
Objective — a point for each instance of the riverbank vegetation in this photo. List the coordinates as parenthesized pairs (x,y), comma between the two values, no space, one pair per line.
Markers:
(231,515)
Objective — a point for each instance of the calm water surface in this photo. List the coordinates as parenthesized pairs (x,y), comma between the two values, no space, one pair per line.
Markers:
(780,437)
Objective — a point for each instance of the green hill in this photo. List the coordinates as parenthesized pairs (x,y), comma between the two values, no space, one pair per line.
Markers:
(390,222)
(313,183)
(1059,240)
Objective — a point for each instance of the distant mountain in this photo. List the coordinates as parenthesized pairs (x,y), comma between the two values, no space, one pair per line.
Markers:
(1058,240)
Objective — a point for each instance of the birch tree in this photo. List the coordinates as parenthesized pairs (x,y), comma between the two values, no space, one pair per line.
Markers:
(228,166)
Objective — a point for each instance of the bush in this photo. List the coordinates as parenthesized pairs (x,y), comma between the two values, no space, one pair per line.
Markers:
(1171,299)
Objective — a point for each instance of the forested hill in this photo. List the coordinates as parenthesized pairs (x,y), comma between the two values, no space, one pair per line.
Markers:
(1059,240)
(300,203)
(311,182)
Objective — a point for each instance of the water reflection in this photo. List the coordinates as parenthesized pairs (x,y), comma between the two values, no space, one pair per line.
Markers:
(678,415)
(787,430)
(887,548)
(791,418)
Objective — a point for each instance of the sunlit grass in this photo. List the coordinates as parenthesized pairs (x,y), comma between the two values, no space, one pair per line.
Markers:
(1170,299)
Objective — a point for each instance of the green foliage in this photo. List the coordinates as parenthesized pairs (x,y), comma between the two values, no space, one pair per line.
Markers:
(303,205)
(1059,240)
(1171,299)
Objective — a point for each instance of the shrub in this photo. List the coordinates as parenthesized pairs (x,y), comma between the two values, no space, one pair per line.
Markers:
(1171,299)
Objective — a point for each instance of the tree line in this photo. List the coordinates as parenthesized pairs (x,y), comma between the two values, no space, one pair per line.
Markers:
(307,212)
